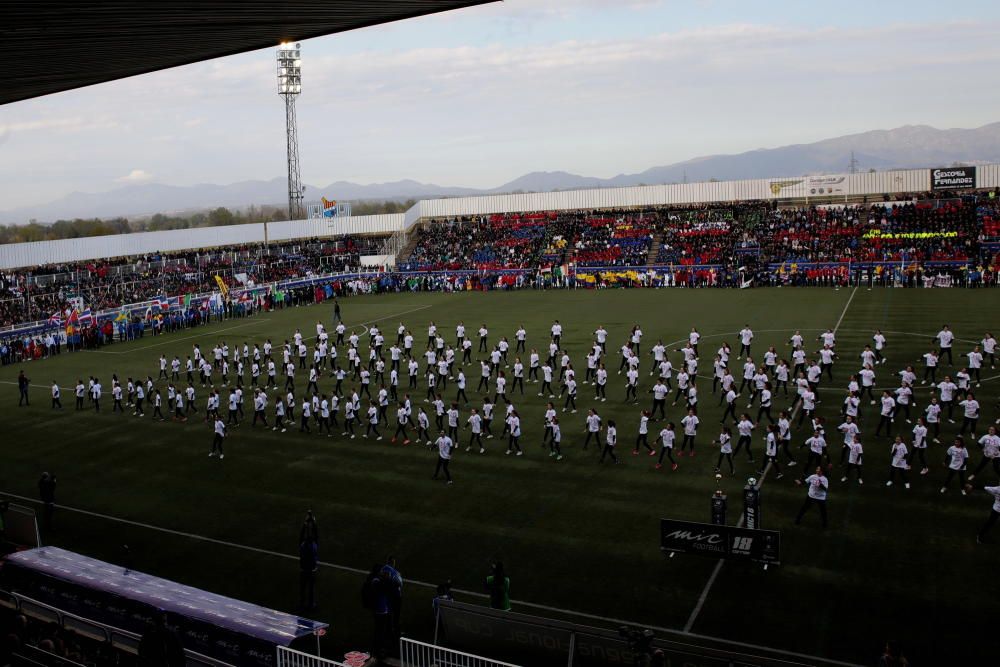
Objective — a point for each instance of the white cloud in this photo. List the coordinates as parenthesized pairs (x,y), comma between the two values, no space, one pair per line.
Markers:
(135,176)
(488,106)
(70,124)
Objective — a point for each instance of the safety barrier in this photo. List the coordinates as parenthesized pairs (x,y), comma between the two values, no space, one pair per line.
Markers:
(418,654)
(288,657)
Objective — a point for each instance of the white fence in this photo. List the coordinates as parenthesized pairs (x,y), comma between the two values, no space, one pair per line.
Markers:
(291,658)
(418,654)
(793,188)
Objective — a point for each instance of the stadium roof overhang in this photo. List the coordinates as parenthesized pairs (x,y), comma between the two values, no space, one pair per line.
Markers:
(49,47)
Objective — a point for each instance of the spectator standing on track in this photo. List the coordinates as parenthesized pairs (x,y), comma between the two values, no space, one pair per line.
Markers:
(498,586)
(47,493)
(308,568)
(394,592)
(374,599)
(22,387)
(309,529)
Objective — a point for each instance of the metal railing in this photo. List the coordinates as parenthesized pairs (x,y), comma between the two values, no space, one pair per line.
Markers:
(395,244)
(418,654)
(288,657)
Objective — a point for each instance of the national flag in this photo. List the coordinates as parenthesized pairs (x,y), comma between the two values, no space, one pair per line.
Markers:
(327,203)
(86,317)
(122,316)
(55,319)
(187,300)
(160,302)
(74,317)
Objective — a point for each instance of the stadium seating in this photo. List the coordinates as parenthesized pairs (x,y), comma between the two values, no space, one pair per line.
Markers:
(728,235)
(36,293)
(713,238)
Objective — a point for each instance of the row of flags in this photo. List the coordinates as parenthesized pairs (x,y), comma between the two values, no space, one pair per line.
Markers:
(158,305)
(76,318)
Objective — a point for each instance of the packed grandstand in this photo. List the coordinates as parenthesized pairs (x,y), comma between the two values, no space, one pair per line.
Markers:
(709,244)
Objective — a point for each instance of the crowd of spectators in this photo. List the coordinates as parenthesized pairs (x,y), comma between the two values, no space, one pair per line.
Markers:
(741,234)
(732,238)
(496,241)
(519,240)
(36,293)
(29,642)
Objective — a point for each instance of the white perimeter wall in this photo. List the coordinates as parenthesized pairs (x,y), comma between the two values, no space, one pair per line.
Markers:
(70,250)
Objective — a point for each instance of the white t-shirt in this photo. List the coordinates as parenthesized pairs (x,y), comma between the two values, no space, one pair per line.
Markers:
(899,455)
(957,457)
(444,447)
(817,485)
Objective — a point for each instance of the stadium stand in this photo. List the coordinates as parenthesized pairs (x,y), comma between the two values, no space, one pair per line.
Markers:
(37,292)
(912,240)
(932,230)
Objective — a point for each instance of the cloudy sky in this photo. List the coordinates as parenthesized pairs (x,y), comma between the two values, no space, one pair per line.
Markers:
(479,96)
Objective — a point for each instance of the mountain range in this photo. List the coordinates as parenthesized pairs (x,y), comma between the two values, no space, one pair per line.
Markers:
(910,146)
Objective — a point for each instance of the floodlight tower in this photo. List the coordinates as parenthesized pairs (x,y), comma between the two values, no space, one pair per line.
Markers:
(289,87)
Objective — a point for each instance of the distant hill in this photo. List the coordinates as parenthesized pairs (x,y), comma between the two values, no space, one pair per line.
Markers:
(908,146)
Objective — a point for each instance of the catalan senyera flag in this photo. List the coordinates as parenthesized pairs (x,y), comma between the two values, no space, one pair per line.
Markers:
(327,203)
(222,286)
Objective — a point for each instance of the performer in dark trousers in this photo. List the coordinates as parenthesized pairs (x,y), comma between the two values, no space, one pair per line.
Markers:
(444,445)
(220,436)
(817,486)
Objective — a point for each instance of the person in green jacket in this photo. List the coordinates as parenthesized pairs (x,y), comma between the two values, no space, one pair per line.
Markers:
(498,585)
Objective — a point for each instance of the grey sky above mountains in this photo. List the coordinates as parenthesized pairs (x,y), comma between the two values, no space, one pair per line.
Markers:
(478,97)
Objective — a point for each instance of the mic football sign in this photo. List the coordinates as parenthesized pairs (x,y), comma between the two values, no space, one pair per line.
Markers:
(953,178)
(729,542)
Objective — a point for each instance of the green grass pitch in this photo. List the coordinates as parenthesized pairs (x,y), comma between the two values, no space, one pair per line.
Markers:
(575,535)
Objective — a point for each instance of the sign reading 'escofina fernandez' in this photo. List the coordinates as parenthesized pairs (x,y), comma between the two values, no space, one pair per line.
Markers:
(950,178)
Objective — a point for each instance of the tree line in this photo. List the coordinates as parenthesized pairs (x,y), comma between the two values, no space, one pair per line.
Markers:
(217,217)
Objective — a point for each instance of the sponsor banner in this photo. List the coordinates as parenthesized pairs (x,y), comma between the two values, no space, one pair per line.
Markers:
(953,178)
(879,234)
(825,185)
(727,542)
